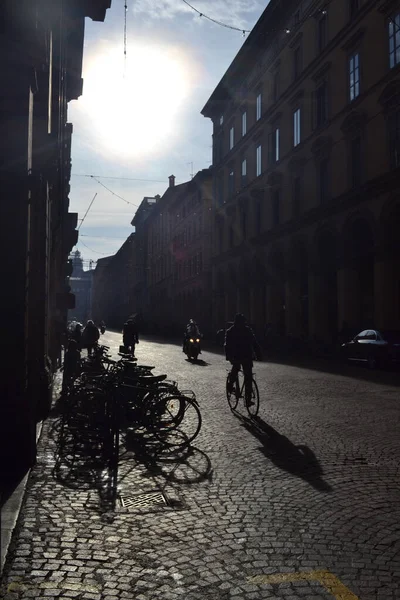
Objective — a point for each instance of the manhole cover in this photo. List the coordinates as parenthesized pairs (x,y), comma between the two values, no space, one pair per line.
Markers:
(143,500)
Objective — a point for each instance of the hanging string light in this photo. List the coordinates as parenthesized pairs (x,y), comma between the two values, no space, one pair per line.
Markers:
(125,20)
(244,31)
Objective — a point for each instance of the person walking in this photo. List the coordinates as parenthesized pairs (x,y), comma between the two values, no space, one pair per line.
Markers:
(90,337)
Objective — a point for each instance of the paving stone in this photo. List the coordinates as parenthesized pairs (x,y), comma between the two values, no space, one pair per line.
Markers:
(264,509)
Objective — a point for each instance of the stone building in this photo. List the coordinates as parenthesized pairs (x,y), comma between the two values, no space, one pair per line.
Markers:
(139,299)
(306,155)
(178,234)
(80,283)
(100,290)
(41,44)
(190,248)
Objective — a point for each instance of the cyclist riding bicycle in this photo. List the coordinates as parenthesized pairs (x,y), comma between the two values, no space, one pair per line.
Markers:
(240,347)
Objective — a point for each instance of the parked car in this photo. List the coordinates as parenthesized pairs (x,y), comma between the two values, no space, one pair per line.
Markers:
(375,348)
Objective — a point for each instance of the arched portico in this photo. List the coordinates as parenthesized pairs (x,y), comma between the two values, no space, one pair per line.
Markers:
(387,269)
(323,304)
(297,317)
(356,278)
(276,293)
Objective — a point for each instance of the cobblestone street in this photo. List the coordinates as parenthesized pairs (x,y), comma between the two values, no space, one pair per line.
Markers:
(301,503)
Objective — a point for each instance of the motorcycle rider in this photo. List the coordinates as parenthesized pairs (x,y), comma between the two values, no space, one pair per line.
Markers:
(102,326)
(191,331)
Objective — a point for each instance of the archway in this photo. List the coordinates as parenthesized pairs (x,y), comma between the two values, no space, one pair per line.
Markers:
(358,255)
(323,304)
(297,311)
(276,294)
(387,270)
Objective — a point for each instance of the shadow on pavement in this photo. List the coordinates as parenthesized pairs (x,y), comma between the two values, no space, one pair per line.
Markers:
(198,362)
(187,466)
(297,460)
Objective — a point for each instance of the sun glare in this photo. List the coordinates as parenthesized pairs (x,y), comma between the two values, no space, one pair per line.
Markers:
(137,112)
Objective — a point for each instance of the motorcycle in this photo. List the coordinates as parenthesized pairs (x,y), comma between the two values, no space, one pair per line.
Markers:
(192,348)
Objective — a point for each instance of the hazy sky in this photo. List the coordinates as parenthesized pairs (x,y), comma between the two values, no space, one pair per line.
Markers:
(144,122)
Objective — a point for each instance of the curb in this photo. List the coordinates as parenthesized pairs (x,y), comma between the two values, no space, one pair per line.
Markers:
(11,509)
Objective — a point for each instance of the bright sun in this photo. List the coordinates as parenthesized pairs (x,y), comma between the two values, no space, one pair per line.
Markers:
(136,113)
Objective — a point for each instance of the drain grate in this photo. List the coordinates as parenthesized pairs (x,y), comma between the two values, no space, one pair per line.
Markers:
(143,500)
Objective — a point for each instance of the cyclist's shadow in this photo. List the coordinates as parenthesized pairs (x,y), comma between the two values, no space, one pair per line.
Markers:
(297,460)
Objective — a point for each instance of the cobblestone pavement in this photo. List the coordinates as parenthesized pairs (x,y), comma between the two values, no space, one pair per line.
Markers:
(302,503)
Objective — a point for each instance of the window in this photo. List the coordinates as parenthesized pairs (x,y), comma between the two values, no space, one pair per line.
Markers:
(231,138)
(274,146)
(276,201)
(258,161)
(394,139)
(244,172)
(296,62)
(221,190)
(354,76)
(394,41)
(231,183)
(220,237)
(275,86)
(258,106)
(297,194)
(355,159)
(322,31)
(219,145)
(244,123)
(243,223)
(258,216)
(354,6)
(296,127)
(323,180)
(321,101)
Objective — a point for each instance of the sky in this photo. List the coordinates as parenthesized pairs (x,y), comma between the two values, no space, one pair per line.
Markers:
(138,120)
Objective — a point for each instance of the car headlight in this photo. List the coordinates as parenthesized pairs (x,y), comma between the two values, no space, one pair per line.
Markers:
(191,340)
(197,340)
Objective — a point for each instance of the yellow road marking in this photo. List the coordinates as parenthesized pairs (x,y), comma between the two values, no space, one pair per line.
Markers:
(329,581)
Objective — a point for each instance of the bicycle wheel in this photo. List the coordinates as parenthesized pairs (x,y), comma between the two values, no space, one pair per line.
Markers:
(163,411)
(254,405)
(234,395)
(188,428)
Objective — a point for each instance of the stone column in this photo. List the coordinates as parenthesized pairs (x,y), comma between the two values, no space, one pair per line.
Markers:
(348,297)
(293,307)
(386,294)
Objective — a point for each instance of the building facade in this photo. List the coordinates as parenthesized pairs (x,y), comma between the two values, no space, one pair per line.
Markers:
(190,248)
(41,44)
(305,159)
(80,283)
(100,290)
(178,272)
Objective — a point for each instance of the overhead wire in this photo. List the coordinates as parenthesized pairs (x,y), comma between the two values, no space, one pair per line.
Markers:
(114,194)
(201,14)
(85,215)
(122,178)
(91,249)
